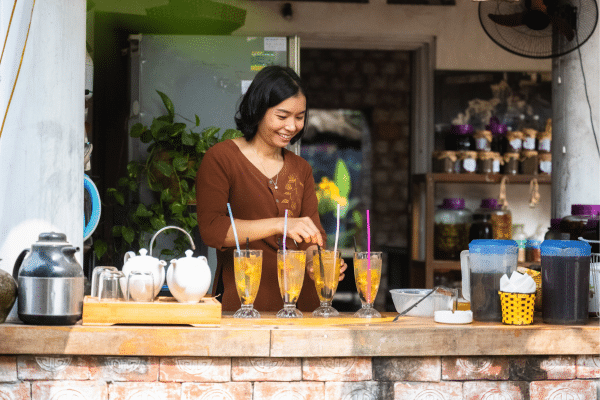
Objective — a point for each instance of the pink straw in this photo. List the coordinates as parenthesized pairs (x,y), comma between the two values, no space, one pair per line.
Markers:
(285,284)
(368,258)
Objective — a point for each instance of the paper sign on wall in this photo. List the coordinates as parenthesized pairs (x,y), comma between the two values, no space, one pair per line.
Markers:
(275,44)
(245,85)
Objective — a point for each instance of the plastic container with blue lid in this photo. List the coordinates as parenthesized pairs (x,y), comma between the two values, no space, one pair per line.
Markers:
(493,246)
(565,248)
(565,281)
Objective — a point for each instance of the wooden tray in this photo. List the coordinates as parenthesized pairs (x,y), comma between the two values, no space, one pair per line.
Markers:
(164,310)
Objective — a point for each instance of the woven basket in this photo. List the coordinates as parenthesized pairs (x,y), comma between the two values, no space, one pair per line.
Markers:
(537,277)
(517,308)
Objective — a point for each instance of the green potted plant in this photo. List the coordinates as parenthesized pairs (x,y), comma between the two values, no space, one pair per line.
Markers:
(174,155)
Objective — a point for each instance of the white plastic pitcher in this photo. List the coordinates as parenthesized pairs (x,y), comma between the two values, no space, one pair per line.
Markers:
(482,266)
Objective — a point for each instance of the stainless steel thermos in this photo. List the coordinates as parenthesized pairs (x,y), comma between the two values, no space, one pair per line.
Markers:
(51,282)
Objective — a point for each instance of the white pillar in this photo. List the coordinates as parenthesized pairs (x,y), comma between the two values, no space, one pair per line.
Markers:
(575,159)
(41,147)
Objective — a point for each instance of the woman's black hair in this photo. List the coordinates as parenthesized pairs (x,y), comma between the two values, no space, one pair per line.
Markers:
(271,86)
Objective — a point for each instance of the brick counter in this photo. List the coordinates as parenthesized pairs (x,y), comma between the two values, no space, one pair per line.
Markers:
(245,361)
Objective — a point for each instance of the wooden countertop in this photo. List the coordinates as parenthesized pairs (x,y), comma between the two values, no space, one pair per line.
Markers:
(308,337)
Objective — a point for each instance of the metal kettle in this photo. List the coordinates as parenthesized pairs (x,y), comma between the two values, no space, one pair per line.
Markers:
(51,282)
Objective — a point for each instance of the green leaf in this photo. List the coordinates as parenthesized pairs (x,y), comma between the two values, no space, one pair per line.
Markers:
(357,218)
(158,128)
(231,134)
(164,168)
(137,130)
(158,222)
(115,194)
(188,139)
(177,208)
(180,163)
(142,211)
(128,234)
(166,196)
(202,146)
(341,177)
(146,136)
(168,105)
(116,230)
(209,135)
(197,120)
(100,248)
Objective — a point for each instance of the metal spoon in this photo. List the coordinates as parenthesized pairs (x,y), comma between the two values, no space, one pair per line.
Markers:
(416,304)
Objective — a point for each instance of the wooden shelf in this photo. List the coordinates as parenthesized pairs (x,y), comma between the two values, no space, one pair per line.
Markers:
(480,178)
(423,209)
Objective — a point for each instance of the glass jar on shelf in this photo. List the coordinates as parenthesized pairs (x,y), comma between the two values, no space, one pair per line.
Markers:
(444,162)
(481,227)
(545,163)
(460,138)
(529,162)
(582,220)
(511,163)
(483,140)
(488,162)
(529,139)
(467,162)
(514,141)
(554,232)
(451,229)
(544,141)
(500,218)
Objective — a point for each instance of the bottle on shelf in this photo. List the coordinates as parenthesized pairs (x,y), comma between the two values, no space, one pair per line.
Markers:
(451,229)
(518,235)
(500,218)
(583,220)
(554,232)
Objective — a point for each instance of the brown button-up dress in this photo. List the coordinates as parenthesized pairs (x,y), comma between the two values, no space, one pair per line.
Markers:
(227,176)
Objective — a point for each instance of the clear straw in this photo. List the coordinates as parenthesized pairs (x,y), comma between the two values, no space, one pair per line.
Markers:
(337,236)
(237,243)
(368,258)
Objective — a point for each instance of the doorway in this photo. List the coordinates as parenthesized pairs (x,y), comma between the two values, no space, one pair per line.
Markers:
(378,84)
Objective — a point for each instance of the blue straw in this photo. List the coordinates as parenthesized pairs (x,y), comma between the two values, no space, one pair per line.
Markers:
(237,243)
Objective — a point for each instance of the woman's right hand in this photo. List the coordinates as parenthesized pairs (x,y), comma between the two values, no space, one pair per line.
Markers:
(303,230)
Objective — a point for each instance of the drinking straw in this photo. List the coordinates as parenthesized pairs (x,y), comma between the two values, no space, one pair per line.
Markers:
(368,258)
(237,243)
(285,285)
(337,235)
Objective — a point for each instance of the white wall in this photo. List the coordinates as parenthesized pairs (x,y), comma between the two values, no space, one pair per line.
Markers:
(461,42)
(41,147)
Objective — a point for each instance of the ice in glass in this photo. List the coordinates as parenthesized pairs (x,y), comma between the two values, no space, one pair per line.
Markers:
(247,267)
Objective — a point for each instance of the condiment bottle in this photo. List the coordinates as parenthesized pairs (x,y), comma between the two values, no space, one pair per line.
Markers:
(544,140)
(521,239)
(451,229)
(460,138)
(501,219)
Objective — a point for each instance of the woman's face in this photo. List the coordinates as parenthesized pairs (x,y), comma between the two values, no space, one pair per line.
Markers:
(284,121)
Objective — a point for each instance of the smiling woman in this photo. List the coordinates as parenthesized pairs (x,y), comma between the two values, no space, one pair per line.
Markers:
(262,181)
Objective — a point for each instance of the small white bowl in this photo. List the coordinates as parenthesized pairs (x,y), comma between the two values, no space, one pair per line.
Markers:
(404,298)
